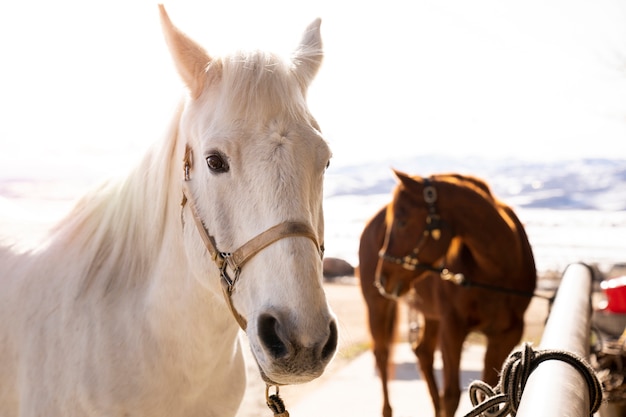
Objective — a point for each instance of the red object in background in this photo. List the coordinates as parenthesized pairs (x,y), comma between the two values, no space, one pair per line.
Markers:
(615,291)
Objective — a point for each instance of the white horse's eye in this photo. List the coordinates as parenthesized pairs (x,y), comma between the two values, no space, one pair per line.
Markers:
(217,163)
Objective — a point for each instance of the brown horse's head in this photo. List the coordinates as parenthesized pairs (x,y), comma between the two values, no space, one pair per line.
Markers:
(417,236)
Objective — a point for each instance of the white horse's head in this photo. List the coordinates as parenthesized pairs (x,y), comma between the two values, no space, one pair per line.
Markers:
(255,158)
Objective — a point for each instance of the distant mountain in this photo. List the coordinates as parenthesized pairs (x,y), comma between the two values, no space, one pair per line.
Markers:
(594,184)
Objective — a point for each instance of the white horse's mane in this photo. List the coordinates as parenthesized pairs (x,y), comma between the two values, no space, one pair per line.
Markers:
(118,226)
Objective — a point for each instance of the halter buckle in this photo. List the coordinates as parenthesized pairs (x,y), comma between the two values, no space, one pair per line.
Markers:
(226,261)
(410,262)
(447,275)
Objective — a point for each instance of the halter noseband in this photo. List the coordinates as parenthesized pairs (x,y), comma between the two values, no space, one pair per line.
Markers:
(235,260)
(411,261)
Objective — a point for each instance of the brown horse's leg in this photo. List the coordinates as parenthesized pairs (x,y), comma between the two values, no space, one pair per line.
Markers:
(382,320)
(425,350)
(499,346)
(453,334)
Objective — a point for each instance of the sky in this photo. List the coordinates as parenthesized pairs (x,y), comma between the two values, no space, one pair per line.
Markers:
(86,86)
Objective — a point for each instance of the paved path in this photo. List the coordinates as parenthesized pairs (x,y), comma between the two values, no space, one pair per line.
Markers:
(355,390)
(350,387)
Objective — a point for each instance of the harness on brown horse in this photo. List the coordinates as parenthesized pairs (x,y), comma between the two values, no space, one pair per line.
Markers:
(411,261)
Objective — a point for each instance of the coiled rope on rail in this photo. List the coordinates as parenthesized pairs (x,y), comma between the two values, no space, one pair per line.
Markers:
(504,399)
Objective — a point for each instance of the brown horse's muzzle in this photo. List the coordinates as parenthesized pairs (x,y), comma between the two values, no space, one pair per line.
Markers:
(391,284)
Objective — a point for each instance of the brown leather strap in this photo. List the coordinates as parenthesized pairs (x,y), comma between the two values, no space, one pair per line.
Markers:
(235,261)
(204,234)
(227,291)
(271,235)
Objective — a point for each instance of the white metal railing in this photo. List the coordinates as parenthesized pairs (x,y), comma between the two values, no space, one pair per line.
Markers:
(556,388)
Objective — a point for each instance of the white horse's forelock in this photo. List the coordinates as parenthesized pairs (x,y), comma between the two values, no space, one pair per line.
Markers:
(259,84)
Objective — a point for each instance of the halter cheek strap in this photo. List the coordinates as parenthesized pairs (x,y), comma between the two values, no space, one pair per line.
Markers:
(432,229)
(234,261)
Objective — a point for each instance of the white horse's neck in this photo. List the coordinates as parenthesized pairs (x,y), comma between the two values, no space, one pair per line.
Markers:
(119,257)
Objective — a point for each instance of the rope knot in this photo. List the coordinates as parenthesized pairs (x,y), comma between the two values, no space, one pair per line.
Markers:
(505,398)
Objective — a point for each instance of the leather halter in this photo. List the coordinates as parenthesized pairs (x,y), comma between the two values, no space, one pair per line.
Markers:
(411,261)
(236,260)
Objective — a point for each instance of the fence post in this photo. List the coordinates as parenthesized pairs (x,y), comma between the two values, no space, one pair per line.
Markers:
(555,388)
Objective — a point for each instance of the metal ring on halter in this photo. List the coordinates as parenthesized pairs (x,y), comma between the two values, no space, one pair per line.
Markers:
(430,194)
(230,282)
(267,391)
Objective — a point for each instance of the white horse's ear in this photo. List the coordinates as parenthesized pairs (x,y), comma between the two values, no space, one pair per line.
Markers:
(307,58)
(191,59)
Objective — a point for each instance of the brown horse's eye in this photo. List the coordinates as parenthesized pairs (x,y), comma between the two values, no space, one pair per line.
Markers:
(217,163)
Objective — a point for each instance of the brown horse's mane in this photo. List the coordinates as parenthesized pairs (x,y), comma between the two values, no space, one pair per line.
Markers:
(458,247)
(468,181)
(480,186)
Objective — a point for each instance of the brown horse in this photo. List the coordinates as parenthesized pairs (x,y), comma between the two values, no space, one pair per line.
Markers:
(464,259)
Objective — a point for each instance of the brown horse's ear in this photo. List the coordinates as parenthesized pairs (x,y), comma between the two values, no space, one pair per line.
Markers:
(403,177)
(191,59)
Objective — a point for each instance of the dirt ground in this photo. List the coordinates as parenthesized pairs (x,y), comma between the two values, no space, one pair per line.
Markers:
(347,302)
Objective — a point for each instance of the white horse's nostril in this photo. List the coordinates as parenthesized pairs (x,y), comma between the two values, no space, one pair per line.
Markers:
(281,346)
(331,343)
(269,333)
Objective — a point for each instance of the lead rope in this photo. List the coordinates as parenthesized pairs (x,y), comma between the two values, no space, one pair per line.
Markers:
(275,403)
(504,399)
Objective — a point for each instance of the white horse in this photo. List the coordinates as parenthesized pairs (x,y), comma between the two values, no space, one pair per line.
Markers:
(127,308)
